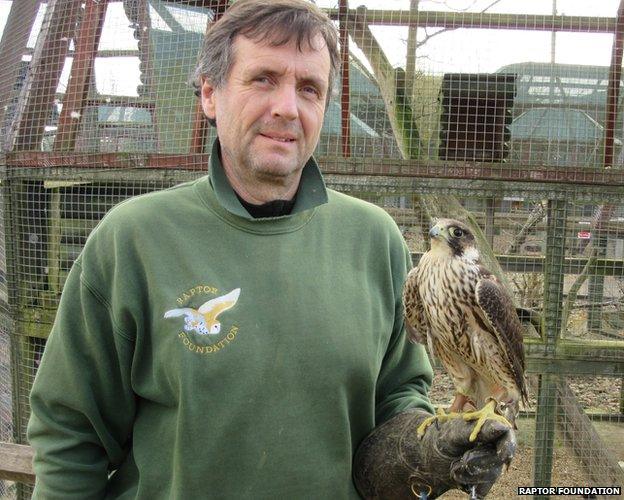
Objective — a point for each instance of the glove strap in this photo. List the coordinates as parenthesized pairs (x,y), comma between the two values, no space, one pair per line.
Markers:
(423,495)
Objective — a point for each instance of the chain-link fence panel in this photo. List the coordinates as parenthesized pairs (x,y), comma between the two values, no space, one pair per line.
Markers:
(504,114)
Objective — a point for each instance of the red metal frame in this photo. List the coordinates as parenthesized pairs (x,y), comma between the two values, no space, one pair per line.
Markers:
(47,67)
(200,122)
(74,103)
(13,46)
(330,165)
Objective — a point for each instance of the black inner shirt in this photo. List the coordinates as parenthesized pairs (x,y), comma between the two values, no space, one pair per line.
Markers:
(274,208)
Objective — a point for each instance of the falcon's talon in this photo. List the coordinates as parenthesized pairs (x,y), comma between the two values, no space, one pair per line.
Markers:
(488,412)
(440,416)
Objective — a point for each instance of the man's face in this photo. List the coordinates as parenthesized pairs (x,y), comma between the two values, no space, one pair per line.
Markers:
(269,112)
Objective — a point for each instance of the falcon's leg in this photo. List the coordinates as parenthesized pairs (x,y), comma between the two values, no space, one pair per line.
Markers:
(488,412)
(442,416)
(458,403)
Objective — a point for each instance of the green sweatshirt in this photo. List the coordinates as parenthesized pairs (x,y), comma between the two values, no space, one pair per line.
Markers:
(200,353)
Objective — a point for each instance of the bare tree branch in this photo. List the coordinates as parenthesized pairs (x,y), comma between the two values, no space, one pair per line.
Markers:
(536,215)
(444,30)
(602,215)
(573,292)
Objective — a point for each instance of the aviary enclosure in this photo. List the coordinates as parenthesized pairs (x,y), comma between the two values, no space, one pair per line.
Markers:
(504,113)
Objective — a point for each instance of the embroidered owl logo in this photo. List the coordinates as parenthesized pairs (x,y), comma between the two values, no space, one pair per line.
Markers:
(204,320)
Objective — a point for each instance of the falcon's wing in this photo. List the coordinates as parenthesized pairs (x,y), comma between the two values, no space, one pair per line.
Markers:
(415,320)
(503,320)
(216,306)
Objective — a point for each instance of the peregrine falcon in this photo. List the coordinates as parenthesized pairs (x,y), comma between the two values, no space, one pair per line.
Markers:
(469,322)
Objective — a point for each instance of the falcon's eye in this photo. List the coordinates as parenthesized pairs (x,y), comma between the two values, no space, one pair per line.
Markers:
(458,233)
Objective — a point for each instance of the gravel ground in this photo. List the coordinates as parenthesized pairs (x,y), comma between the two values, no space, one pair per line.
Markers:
(597,394)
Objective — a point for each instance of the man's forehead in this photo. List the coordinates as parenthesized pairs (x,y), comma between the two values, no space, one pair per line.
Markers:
(304,44)
(266,52)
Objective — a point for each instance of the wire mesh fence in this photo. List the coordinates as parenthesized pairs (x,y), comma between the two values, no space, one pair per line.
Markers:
(505,114)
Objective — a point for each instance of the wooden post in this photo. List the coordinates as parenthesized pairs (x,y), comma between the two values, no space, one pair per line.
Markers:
(613,88)
(13,45)
(200,123)
(16,463)
(345,103)
(545,418)
(87,41)
(11,252)
(622,397)
(553,294)
(38,93)
(554,262)
(54,242)
(451,20)
(147,88)
(410,58)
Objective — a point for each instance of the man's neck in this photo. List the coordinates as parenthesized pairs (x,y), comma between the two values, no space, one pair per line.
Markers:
(261,194)
(260,190)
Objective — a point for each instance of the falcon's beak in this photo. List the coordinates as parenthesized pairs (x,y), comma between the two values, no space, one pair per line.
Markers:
(434,231)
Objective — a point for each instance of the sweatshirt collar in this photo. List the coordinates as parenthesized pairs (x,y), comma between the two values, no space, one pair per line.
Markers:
(311,192)
(216,192)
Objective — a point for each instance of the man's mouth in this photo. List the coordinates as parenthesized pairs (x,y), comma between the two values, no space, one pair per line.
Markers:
(279,138)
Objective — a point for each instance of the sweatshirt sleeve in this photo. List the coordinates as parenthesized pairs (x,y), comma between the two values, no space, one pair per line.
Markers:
(82,403)
(405,375)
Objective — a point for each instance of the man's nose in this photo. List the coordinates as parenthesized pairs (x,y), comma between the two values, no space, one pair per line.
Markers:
(285,102)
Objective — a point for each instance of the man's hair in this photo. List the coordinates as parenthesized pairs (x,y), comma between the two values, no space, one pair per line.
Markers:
(275,22)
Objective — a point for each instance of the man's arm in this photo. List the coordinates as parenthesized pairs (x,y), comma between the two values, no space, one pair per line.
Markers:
(82,404)
(404,379)
(405,375)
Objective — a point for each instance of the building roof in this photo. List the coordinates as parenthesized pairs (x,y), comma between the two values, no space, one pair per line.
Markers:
(570,85)
(557,125)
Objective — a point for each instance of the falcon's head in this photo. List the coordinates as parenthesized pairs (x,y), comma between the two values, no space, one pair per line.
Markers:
(454,237)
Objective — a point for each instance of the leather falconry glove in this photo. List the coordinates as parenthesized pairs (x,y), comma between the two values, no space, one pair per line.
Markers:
(393,463)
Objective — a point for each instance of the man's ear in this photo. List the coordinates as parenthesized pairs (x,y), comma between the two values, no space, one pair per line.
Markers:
(208,99)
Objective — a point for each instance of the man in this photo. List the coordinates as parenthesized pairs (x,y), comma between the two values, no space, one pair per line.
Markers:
(240,335)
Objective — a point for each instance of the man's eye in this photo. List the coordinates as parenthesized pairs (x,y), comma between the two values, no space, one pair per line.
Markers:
(458,233)
(308,89)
